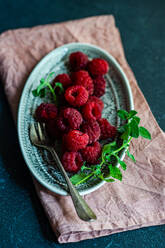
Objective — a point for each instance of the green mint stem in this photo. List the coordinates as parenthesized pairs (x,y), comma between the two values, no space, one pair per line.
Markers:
(52,91)
(124,145)
(88,176)
(85,178)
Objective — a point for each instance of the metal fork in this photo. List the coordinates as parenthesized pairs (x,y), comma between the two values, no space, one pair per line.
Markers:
(39,138)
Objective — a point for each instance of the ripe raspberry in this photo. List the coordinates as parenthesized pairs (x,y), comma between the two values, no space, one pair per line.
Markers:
(92,128)
(62,125)
(97,100)
(52,130)
(76,95)
(72,161)
(45,112)
(69,118)
(75,140)
(91,153)
(98,67)
(78,61)
(99,86)
(91,110)
(107,130)
(82,78)
(64,79)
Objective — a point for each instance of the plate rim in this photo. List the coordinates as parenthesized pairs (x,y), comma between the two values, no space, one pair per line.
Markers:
(24,153)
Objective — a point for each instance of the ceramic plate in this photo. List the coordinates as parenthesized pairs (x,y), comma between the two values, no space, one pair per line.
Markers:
(118,96)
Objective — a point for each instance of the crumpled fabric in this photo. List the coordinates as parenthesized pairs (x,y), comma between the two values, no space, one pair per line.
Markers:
(137,201)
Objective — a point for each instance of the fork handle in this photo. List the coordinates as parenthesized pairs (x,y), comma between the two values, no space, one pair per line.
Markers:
(83,210)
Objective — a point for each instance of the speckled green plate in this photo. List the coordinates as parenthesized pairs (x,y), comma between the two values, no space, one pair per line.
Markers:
(118,96)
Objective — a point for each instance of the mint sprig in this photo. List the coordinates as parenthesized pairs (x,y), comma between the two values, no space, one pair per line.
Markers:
(111,151)
(45,85)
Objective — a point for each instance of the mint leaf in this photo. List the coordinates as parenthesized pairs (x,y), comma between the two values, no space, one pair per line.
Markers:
(115,172)
(77,178)
(131,114)
(108,180)
(51,74)
(131,156)
(84,168)
(121,129)
(108,149)
(134,132)
(42,81)
(108,158)
(42,93)
(34,92)
(46,84)
(123,114)
(97,171)
(144,133)
(123,164)
(137,119)
(126,134)
(40,87)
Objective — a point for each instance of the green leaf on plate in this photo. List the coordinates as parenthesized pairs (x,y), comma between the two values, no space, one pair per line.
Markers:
(34,92)
(134,132)
(126,134)
(77,178)
(137,119)
(123,114)
(131,114)
(115,172)
(123,164)
(121,129)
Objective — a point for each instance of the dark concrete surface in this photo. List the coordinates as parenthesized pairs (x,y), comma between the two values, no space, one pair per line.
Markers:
(23,223)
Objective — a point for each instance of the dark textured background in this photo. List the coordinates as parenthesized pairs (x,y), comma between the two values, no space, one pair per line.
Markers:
(23,223)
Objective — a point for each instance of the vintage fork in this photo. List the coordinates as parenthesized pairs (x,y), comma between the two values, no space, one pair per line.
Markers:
(39,138)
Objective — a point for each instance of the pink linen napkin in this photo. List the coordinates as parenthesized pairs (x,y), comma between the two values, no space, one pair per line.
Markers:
(137,201)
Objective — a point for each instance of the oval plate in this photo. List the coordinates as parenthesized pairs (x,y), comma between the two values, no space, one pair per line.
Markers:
(118,96)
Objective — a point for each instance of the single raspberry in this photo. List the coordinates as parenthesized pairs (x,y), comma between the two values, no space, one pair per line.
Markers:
(107,130)
(62,125)
(64,79)
(98,67)
(72,161)
(75,140)
(45,112)
(99,86)
(91,110)
(69,118)
(52,130)
(82,78)
(96,99)
(91,153)
(76,95)
(92,128)
(78,61)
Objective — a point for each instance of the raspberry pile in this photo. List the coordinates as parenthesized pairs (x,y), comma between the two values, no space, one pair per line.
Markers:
(78,121)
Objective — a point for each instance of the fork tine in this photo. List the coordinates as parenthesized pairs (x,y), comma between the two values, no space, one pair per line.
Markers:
(33,133)
(44,130)
(40,134)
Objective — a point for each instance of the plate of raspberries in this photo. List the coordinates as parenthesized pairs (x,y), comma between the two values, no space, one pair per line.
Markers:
(76,91)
